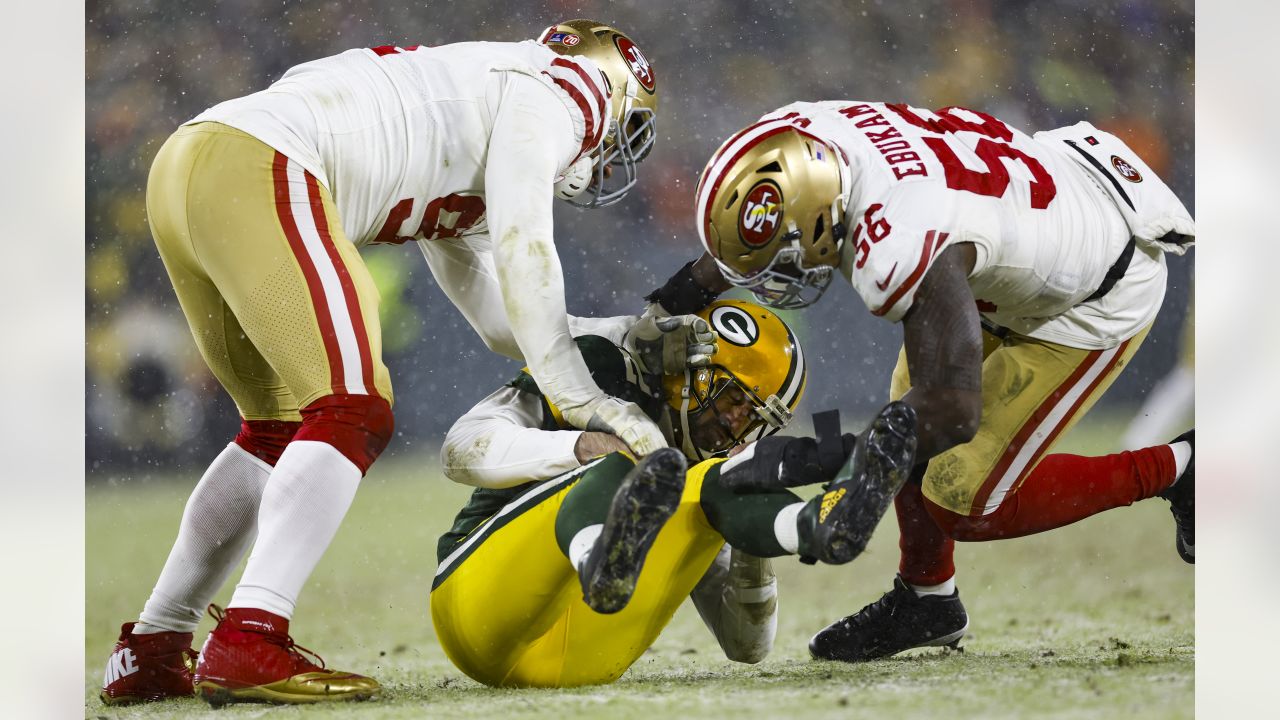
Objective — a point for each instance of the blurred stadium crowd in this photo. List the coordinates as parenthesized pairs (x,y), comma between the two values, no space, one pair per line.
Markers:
(1127,66)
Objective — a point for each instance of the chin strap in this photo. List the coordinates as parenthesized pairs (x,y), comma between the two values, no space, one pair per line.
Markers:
(686,438)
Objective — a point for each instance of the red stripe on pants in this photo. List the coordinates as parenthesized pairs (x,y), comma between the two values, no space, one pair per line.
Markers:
(344,279)
(284,209)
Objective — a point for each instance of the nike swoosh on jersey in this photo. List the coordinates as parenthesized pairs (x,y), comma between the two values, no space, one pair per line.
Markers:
(884,284)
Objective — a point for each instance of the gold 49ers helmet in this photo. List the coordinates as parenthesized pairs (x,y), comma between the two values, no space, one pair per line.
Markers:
(771,206)
(749,391)
(633,108)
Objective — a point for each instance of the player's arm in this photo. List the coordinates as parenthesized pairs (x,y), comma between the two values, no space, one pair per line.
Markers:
(499,443)
(691,288)
(943,338)
(527,146)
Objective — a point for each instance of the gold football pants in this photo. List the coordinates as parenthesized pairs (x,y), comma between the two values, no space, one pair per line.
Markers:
(507,606)
(279,301)
(1033,392)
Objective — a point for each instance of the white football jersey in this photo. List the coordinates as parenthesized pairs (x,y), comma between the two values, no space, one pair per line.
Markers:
(1045,230)
(400,136)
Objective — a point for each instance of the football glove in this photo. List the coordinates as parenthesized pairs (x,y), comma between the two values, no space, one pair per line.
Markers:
(627,421)
(777,462)
(670,344)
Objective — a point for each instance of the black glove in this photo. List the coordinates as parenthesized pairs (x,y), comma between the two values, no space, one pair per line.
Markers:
(778,462)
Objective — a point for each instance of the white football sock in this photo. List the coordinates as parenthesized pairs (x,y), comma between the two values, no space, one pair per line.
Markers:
(217,528)
(306,498)
(1181,457)
(785,528)
(581,544)
(943,588)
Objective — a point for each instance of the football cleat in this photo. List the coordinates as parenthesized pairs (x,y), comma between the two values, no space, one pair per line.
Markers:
(646,499)
(836,526)
(144,668)
(1182,502)
(898,621)
(250,657)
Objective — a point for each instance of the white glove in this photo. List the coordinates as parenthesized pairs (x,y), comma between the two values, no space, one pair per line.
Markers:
(624,419)
(670,344)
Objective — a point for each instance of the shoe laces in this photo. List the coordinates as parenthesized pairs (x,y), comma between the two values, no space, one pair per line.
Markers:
(887,604)
(281,640)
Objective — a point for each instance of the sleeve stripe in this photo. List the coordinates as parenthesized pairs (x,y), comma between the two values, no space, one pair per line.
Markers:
(570,77)
(932,241)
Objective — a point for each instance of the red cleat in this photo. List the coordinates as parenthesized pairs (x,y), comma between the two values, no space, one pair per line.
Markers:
(249,657)
(143,668)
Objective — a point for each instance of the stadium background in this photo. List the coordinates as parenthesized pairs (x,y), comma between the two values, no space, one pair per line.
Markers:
(1125,66)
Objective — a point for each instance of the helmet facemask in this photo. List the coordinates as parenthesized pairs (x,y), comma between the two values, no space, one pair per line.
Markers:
(625,145)
(706,411)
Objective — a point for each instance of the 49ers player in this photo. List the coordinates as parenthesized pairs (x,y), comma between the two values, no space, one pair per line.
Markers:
(1025,270)
(258,206)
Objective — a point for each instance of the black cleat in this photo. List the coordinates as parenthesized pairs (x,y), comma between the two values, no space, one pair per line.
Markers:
(1182,502)
(897,621)
(836,526)
(646,499)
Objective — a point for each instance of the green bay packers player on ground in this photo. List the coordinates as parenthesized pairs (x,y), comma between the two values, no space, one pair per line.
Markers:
(1026,270)
(570,558)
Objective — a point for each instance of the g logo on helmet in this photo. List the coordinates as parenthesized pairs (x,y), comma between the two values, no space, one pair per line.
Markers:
(735,325)
(761,214)
(636,61)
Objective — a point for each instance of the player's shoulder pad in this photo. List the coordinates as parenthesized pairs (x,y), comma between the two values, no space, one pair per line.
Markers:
(894,241)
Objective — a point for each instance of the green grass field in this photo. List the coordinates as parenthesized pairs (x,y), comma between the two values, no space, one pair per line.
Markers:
(1091,621)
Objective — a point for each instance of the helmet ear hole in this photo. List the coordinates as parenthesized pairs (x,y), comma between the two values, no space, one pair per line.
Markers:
(818,228)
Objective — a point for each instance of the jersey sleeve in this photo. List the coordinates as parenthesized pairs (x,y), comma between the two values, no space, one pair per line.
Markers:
(579,85)
(895,240)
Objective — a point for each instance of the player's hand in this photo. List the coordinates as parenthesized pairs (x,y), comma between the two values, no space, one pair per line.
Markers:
(774,463)
(669,344)
(592,445)
(628,422)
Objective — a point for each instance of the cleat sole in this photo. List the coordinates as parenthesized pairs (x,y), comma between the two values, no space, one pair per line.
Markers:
(647,498)
(218,696)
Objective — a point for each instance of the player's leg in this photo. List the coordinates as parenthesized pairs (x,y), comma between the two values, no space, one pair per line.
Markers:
(152,659)
(266,235)
(585,647)
(508,606)
(1022,489)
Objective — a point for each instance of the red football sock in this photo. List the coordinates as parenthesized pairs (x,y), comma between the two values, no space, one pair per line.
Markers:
(1063,489)
(926,551)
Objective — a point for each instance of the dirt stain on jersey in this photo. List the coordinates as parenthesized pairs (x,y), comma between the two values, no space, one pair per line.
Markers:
(459,461)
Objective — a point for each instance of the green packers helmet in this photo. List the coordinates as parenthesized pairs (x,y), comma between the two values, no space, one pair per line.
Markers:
(750,390)
(633,107)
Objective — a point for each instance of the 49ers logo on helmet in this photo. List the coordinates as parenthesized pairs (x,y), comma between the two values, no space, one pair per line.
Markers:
(636,61)
(761,214)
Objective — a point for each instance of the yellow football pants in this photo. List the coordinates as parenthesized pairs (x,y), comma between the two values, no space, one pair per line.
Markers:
(509,611)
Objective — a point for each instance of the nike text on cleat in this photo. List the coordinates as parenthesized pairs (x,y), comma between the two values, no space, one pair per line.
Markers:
(250,657)
(1182,502)
(835,527)
(144,668)
(898,621)
(646,499)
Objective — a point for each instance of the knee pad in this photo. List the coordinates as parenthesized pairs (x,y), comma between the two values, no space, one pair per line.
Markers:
(266,439)
(358,426)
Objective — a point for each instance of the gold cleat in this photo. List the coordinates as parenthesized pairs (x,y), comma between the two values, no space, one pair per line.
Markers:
(303,688)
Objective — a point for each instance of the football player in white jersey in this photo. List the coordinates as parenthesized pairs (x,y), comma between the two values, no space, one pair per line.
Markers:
(1025,270)
(258,206)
